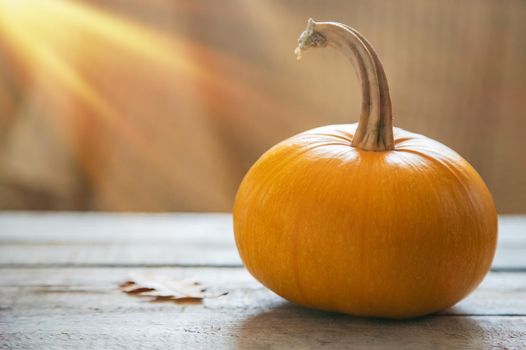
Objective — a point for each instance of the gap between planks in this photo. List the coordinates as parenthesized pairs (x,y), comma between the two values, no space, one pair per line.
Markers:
(147,265)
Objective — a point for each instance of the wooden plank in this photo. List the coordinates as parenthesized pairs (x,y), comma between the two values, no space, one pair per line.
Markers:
(87,228)
(79,308)
(109,228)
(99,239)
(59,289)
(118,255)
(76,239)
(159,255)
(274,329)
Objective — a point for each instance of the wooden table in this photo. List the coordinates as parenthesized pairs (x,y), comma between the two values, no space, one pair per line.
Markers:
(59,290)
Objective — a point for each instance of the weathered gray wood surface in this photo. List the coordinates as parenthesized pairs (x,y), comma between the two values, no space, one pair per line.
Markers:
(117,239)
(59,290)
(160,239)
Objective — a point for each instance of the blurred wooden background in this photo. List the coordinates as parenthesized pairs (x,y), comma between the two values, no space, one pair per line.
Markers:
(163,105)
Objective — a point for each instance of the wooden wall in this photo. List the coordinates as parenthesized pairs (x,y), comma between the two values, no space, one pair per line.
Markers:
(173,114)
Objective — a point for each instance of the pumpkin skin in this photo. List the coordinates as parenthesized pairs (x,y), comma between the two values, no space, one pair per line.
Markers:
(364,218)
(395,234)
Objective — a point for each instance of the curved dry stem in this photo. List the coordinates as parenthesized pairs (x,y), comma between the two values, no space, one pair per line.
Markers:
(375,128)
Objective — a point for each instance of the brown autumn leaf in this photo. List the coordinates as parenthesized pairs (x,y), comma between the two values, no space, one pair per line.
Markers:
(165,288)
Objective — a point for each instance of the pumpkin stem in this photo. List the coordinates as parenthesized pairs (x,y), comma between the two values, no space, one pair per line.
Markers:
(375,128)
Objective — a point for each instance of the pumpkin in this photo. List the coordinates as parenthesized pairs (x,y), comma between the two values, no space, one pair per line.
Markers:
(365,219)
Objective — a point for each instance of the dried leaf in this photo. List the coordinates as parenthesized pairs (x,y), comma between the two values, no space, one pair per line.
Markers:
(164,288)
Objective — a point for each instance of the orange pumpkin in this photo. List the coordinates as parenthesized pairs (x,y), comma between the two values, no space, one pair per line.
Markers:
(365,218)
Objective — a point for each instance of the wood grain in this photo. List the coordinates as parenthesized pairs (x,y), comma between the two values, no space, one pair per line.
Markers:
(276,329)
(68,307)
(53,295)
(80,289)
(160,240)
